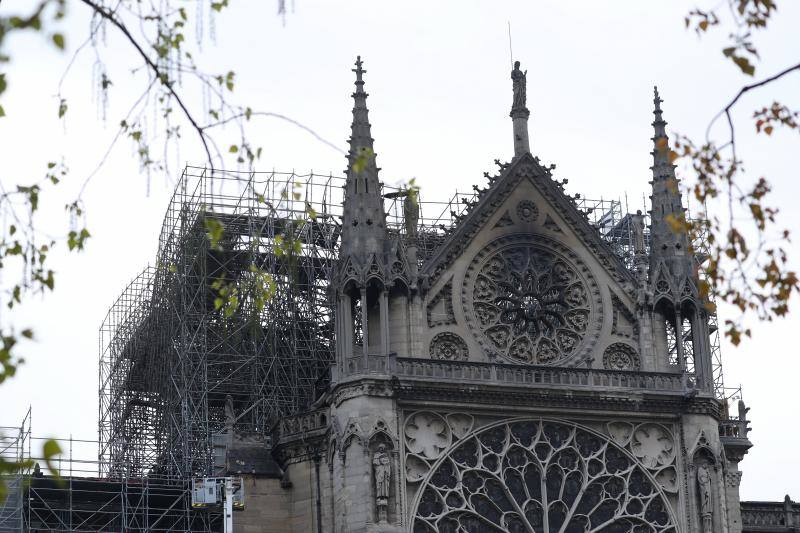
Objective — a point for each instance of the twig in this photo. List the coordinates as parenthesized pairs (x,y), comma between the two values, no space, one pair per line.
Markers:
(278,116)
(156,70)
(727,109)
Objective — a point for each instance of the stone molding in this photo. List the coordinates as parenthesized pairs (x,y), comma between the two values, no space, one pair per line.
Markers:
(498,397)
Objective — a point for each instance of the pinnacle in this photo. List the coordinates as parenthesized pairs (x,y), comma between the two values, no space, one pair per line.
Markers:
(657,99)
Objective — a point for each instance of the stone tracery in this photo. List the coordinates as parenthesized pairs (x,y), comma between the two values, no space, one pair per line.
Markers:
(531,305)
(449,346)
(535,475)
(621,356)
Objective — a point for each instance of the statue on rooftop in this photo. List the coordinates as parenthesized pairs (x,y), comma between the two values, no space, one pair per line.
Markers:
(411,212)
(230,415)
(637,227)
(410,198)
(520,81)
(743,409)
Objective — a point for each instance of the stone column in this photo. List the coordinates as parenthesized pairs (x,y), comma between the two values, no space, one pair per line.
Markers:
(384,314)
(519,120)
(679,340)
(365,328)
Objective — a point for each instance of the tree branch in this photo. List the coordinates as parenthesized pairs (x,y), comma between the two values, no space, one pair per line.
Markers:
(274,115)
(727,109)
(156,70)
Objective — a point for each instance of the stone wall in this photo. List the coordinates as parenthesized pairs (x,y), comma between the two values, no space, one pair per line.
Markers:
(266,507)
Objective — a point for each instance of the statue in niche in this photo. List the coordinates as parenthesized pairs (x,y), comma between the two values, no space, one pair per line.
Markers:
(704,490)
(637,226)
(230,415)
(519,80)
(383,474)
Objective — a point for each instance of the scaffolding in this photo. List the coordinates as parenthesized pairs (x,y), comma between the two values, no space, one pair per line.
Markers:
(614,225)
(15,443)
(77,496)
(171,358)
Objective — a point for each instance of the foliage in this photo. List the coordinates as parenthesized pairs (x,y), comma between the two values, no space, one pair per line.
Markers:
(170,79)
(747,264)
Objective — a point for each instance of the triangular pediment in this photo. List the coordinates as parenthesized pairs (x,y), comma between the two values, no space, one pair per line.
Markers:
(492,209)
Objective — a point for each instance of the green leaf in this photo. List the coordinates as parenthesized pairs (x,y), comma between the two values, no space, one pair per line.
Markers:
(217,6)
(362,159)
(233,149)
(62,108)
(214,231)
(50,450)
(58,40)
(2,111)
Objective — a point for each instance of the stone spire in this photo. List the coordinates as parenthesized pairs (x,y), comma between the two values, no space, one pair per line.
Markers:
(364,220)
(519,113)
(668,242)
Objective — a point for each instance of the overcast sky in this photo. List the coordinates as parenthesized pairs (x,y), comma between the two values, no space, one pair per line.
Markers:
(438,79)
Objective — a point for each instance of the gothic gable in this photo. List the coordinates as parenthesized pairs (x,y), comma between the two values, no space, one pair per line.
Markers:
(525,279)
(525,168)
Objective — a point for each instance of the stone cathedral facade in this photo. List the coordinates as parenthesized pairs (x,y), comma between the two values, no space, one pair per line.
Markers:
(522,379)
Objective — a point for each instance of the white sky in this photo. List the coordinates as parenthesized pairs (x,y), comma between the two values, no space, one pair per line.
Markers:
(438,78)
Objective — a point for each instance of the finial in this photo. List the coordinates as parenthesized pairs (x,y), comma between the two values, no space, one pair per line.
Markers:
(359,71)
(657,99)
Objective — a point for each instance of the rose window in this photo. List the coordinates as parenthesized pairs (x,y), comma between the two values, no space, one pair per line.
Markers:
(539,476)
(531,305)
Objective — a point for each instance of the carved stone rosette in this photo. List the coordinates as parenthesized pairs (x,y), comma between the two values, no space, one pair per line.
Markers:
(449,346)
(621,356)
(527,211)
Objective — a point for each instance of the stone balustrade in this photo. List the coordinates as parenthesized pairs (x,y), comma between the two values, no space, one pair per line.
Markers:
(538,375)
(770,516)
(303,423)
(466,371)
(733,428)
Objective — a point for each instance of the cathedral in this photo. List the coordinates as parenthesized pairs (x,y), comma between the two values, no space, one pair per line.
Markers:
(522,364)
(523,377)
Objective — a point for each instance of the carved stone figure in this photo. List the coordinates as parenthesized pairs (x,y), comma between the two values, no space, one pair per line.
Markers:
(704,490)
(383,474)
(411,213)
(637,226)
(519,79)
(410,209)
(743,429)
(230,416)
